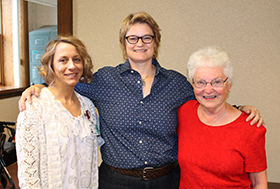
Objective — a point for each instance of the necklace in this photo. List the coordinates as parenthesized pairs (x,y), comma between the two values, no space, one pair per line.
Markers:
(143,80)
(217,118)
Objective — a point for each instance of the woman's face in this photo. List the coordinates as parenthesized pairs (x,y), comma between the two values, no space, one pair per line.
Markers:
(139,52)
(67,64)
(209,96)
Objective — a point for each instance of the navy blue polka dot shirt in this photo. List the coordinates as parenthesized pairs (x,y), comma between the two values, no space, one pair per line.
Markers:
(138,132)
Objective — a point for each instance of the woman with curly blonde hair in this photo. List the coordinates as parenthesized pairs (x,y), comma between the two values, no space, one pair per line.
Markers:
(57,135)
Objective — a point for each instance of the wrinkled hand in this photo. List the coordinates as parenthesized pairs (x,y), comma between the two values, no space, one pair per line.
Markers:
(254,115)
(26,95)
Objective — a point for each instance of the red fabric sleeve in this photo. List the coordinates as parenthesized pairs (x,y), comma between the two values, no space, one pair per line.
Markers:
(256,157)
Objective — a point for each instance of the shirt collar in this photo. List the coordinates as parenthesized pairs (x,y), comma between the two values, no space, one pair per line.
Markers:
(126,67)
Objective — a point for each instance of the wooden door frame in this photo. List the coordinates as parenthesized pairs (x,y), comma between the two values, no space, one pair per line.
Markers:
(65,26)
(65,17)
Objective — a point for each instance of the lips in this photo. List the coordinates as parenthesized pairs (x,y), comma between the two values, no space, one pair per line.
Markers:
(71,75)
(140,50)
(209,97)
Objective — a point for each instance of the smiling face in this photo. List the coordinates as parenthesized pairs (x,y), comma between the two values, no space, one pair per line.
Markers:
(67,65)
(211,97)
(140,52)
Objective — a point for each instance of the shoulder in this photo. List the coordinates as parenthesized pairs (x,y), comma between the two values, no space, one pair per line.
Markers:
(252,130)
(39,104)
(105,74)
(37,101)
(33,111)
(86,103)
(168,72)
(189,105)
(107,69)
(172,73)
(177,79)
(85,100)
(104,69)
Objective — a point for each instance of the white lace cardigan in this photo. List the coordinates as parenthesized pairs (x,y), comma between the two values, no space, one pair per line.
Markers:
(38,146)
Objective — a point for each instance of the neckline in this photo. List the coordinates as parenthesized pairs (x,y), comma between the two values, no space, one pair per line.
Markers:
(218,126)
(61,107)
(143,80)
(211,124)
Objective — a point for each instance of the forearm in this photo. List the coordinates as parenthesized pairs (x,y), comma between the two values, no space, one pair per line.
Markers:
(41,86)
(259,180)
(27,152)
(260,186)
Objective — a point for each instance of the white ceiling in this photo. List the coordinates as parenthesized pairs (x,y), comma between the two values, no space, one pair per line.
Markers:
(52,3)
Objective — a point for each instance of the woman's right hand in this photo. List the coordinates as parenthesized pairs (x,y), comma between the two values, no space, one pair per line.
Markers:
(26,95)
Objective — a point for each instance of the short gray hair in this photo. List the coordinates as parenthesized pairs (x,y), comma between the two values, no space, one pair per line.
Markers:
(212,56)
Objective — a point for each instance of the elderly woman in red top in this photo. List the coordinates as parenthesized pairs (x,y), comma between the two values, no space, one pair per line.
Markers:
(217,147)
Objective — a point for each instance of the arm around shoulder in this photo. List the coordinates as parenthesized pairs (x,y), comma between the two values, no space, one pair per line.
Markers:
(253,115)
(27,94)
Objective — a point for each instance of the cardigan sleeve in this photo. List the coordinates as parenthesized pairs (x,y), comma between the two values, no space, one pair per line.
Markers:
(27,147)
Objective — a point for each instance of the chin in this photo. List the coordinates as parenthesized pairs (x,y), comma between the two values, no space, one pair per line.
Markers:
(208,105)
(72,83)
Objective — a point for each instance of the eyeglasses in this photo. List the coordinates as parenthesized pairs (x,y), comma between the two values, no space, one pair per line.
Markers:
(219,82)
(146,39)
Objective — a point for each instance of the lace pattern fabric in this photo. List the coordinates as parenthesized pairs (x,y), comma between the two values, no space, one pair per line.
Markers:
(55,149)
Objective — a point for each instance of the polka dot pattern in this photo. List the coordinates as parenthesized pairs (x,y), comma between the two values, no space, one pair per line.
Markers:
(138,132)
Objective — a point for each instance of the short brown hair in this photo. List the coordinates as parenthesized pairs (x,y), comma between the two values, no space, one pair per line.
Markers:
(46,69)
(139,17)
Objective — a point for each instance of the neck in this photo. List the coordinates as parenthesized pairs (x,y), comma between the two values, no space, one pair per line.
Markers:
(144,68)
(63,94)
(211,117)
(67,97)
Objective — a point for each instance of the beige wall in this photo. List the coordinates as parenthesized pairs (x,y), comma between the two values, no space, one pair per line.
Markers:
(37,16)
(9,109)
(249,30)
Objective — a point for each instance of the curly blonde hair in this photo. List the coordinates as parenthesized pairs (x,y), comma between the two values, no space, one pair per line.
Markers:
(46,69)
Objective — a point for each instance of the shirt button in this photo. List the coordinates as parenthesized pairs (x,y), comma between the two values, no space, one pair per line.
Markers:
(138,82)
(141,102)
(140,122)
(132,71)
(140,141)
(146,163)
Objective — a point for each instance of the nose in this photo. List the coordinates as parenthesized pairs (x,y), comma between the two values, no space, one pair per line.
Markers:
(71,64)
(140,42)
(208,88)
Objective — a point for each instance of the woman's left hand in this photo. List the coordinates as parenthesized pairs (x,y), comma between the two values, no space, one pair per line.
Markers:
(254,115)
